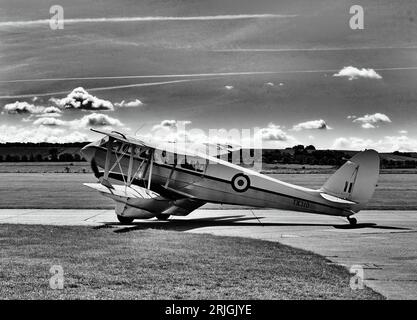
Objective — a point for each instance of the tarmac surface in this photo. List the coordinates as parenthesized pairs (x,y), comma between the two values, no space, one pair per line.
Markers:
(383,243)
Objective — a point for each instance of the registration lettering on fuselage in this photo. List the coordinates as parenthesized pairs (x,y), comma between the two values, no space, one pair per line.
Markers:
(301,203)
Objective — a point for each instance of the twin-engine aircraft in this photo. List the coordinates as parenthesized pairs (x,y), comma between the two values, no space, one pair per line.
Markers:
(151,179)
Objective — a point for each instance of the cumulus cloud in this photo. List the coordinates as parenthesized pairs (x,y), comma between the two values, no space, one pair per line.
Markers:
(170,125)
(311,125)
(130,104)
(79,98)
(371,121)
(49,121)
(91,120)
(385,144)
(39,134)
(96,120)
(354,73)
(27,108)
(51,110)
(229,87)
(23,108)
(273,136)
(273,133)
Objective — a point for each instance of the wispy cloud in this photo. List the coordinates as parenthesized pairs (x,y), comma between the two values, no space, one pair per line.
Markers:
(147,84)
(193,75)
(156,76)
(29,23)
(261,50)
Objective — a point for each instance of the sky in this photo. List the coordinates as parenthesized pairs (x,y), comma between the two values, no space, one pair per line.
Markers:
(292,71)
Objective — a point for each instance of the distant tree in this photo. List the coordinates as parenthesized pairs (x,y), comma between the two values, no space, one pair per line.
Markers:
(24,158)
(32,158)
(39,158)
(298,147)
(53,154)
(77,157)
(403,154)
(332,162)
(66,157)
(310,148)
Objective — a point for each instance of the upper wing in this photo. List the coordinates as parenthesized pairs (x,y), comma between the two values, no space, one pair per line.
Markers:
(202,150)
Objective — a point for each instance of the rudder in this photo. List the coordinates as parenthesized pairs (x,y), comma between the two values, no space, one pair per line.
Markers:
(356,179)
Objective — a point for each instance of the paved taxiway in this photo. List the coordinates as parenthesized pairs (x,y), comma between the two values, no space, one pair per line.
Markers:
(383,242)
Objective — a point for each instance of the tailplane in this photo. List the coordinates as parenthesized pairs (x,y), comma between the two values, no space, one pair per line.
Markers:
(356,180)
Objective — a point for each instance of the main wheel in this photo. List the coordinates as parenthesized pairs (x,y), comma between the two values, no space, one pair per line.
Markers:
(352,221)
(162,216)
(125,220)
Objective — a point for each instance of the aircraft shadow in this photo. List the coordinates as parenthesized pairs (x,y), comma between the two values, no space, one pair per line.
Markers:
(233,221)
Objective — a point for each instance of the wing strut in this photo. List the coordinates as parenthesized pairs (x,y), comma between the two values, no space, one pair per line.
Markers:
(129,172)
(170,175)
(105,180)
(150,169)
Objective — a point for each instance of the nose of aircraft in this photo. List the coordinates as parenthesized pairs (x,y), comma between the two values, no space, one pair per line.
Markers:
(89,150)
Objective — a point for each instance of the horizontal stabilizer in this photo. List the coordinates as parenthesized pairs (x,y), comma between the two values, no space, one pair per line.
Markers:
(336,199)
(133,191)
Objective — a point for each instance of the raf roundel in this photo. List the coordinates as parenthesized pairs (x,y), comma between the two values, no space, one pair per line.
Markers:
(240,182)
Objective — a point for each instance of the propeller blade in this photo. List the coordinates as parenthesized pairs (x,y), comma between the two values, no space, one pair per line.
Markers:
(95,169)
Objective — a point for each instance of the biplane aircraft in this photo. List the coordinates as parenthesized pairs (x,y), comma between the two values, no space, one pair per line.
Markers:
(152,179)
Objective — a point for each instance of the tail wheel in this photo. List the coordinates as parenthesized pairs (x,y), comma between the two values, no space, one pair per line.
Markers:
(162,216)
(125,220)
(352,221)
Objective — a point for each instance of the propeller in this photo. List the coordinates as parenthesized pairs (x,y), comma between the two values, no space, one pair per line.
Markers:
(95,169)
(99,175)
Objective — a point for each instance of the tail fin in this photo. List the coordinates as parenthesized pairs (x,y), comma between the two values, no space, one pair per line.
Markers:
(356,179)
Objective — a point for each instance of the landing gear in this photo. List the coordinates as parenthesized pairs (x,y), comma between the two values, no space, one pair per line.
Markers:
(352,221)
(125,220)
(162,216)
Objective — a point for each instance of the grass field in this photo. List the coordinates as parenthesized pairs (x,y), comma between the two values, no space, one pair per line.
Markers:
(45,167)
(65,191)
(160,264)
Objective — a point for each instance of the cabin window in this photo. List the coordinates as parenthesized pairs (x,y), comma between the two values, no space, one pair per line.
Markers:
(192,163)
(127,148)
(116,146)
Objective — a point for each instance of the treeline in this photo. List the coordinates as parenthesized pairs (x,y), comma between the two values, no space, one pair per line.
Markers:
(304,155)
(299,154)
(43,145)
(310,156)
(64,157)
